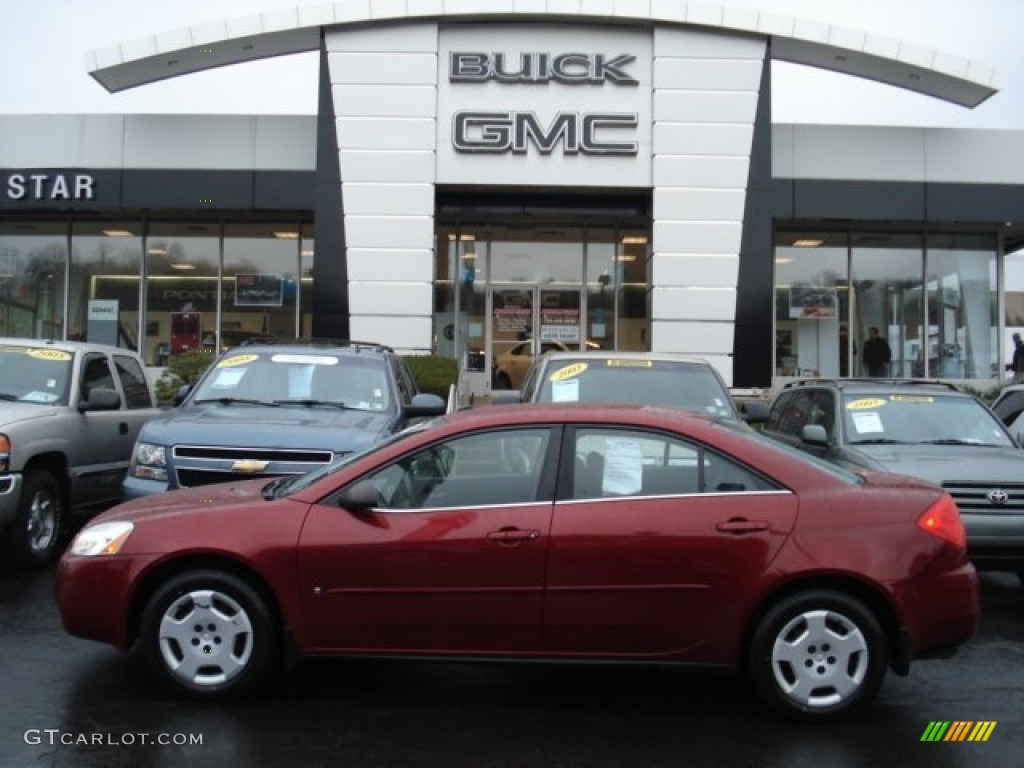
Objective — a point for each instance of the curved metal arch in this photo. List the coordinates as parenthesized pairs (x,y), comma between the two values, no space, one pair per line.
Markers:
(297,30)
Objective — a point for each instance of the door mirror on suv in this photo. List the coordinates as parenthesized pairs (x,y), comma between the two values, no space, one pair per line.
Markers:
(100,399)
(426,404)
(814,434)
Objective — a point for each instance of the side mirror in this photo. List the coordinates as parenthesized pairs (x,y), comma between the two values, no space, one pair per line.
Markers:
(100,399)
(754,411)
(426,404)
(183,391)
(361,496)
(814,434)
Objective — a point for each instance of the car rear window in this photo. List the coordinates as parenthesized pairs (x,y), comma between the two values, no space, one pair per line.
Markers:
(690,386)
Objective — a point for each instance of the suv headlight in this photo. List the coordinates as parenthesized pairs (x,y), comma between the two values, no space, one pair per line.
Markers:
(102,538)
(149,462)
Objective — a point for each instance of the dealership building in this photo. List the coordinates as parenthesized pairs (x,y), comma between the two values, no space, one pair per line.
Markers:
(489,179)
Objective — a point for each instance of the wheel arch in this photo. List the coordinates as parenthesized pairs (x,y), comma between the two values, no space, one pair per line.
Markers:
(54,462)
(871,596)
(152,580)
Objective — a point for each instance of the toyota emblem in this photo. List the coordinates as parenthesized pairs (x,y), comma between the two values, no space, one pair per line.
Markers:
(998,497)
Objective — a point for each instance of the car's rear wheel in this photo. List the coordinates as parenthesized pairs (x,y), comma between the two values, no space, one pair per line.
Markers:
(208,633)
(33,536)
(818,655)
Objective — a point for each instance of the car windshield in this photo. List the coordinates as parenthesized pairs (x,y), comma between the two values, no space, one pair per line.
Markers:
(35,375)
(305,379)
(285,486)
(686,385)
(920,418)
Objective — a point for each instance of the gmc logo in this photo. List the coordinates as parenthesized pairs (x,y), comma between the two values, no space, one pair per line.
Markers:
(501,132)
(567,68)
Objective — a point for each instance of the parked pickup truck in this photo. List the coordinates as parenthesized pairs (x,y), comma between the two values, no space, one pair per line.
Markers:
(69,416)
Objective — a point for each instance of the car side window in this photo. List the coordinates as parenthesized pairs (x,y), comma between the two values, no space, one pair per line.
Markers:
(795,414)
(823,410)
(133,382)
(611,463)
(486,468)
(1010,407)
(95,375)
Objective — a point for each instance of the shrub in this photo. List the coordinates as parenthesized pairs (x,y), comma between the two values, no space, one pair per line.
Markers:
(433,373)
(183,369)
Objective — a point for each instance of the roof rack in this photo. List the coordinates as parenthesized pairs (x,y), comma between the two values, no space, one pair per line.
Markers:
(316,341)
(874,380)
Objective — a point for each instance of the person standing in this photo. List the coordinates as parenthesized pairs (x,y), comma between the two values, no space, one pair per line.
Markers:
(876,354)
(1017,364)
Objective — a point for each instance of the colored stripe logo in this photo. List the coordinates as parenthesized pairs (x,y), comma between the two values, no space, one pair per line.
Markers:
(958,730)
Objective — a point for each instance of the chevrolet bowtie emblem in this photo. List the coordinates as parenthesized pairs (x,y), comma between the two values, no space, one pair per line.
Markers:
(248,466)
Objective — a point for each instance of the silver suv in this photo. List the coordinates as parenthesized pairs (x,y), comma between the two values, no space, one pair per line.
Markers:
(926,429)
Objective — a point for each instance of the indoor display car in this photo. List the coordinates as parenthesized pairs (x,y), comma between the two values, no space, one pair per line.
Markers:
(927,429)
(540,532)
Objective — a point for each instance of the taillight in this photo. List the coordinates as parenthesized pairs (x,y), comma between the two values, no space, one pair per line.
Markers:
(942,519)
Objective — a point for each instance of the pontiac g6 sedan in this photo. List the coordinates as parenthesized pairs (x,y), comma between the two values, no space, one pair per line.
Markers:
(571,531)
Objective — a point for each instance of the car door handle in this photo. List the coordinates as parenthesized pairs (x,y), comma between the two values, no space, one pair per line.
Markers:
(513,534)
(122,428)
(742,525)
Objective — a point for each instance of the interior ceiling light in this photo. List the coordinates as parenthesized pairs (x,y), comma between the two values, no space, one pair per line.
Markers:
(287,235)
(807,242)
(157,251)
(183,267)
(117,233)
(634,240)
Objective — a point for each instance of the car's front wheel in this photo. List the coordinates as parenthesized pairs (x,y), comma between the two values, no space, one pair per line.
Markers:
(33,537)
(818,655)
(208,633)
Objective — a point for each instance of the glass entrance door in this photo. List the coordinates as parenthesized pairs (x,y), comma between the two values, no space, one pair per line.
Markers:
(525,321)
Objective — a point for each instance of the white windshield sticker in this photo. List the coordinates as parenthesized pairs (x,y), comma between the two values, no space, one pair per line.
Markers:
(228,378)
(866,421)
(305,359)
(565,391)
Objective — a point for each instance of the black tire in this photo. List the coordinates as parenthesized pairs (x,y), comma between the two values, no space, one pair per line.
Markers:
(209,634)
(33,537)
(817,655)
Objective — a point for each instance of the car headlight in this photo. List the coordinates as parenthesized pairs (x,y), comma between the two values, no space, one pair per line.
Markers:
(149,462)
(102,538)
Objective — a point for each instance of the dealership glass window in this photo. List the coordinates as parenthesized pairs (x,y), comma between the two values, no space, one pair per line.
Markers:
(886,276)
(103,287)
(182,262)
(33,266)
(305,308)
(539,255)
(811,304)
(962,297)
(260,282)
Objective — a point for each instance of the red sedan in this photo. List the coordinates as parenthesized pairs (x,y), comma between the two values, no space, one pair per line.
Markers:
(546,532)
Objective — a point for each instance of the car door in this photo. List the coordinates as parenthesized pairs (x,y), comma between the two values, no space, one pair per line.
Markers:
(657,544)
(452,558)
(105,439)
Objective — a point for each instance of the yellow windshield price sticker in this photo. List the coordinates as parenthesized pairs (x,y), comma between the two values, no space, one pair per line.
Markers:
(569,372)
(865,404)
(630,363)
(911,399)
(48,354)
(231,362)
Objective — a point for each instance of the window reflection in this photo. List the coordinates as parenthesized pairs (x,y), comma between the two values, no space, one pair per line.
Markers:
(33,262)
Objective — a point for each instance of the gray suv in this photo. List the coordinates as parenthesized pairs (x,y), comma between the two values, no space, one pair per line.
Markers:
(926,429)
(277,408)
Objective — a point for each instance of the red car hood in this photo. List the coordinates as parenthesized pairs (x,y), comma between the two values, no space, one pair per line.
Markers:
(217,496)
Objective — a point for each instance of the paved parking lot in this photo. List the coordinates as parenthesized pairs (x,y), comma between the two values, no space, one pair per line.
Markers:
(70,702)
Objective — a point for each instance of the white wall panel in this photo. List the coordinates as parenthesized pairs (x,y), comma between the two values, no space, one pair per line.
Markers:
(394,199)
(385,264)
(705,106)
(720,270)
(365,68)
(693,303)
(698,236)
(963,156)
(403,333)
(388,298)
(702,139)
(693,43)
(286,142)
(410,38)
(61,141)
(859,152)
(216,142)
(388,231)
(387,166)
(355,133)
(393,101)
(699,203)
(707,75)
(704,172)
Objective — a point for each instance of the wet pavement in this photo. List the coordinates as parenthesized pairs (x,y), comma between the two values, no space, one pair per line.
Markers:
(71,702)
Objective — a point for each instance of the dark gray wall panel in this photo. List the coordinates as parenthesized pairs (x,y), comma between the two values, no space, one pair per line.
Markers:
(884,201)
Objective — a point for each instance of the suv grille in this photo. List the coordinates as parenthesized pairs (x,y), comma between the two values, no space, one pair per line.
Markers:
(196,465)
(974,497)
